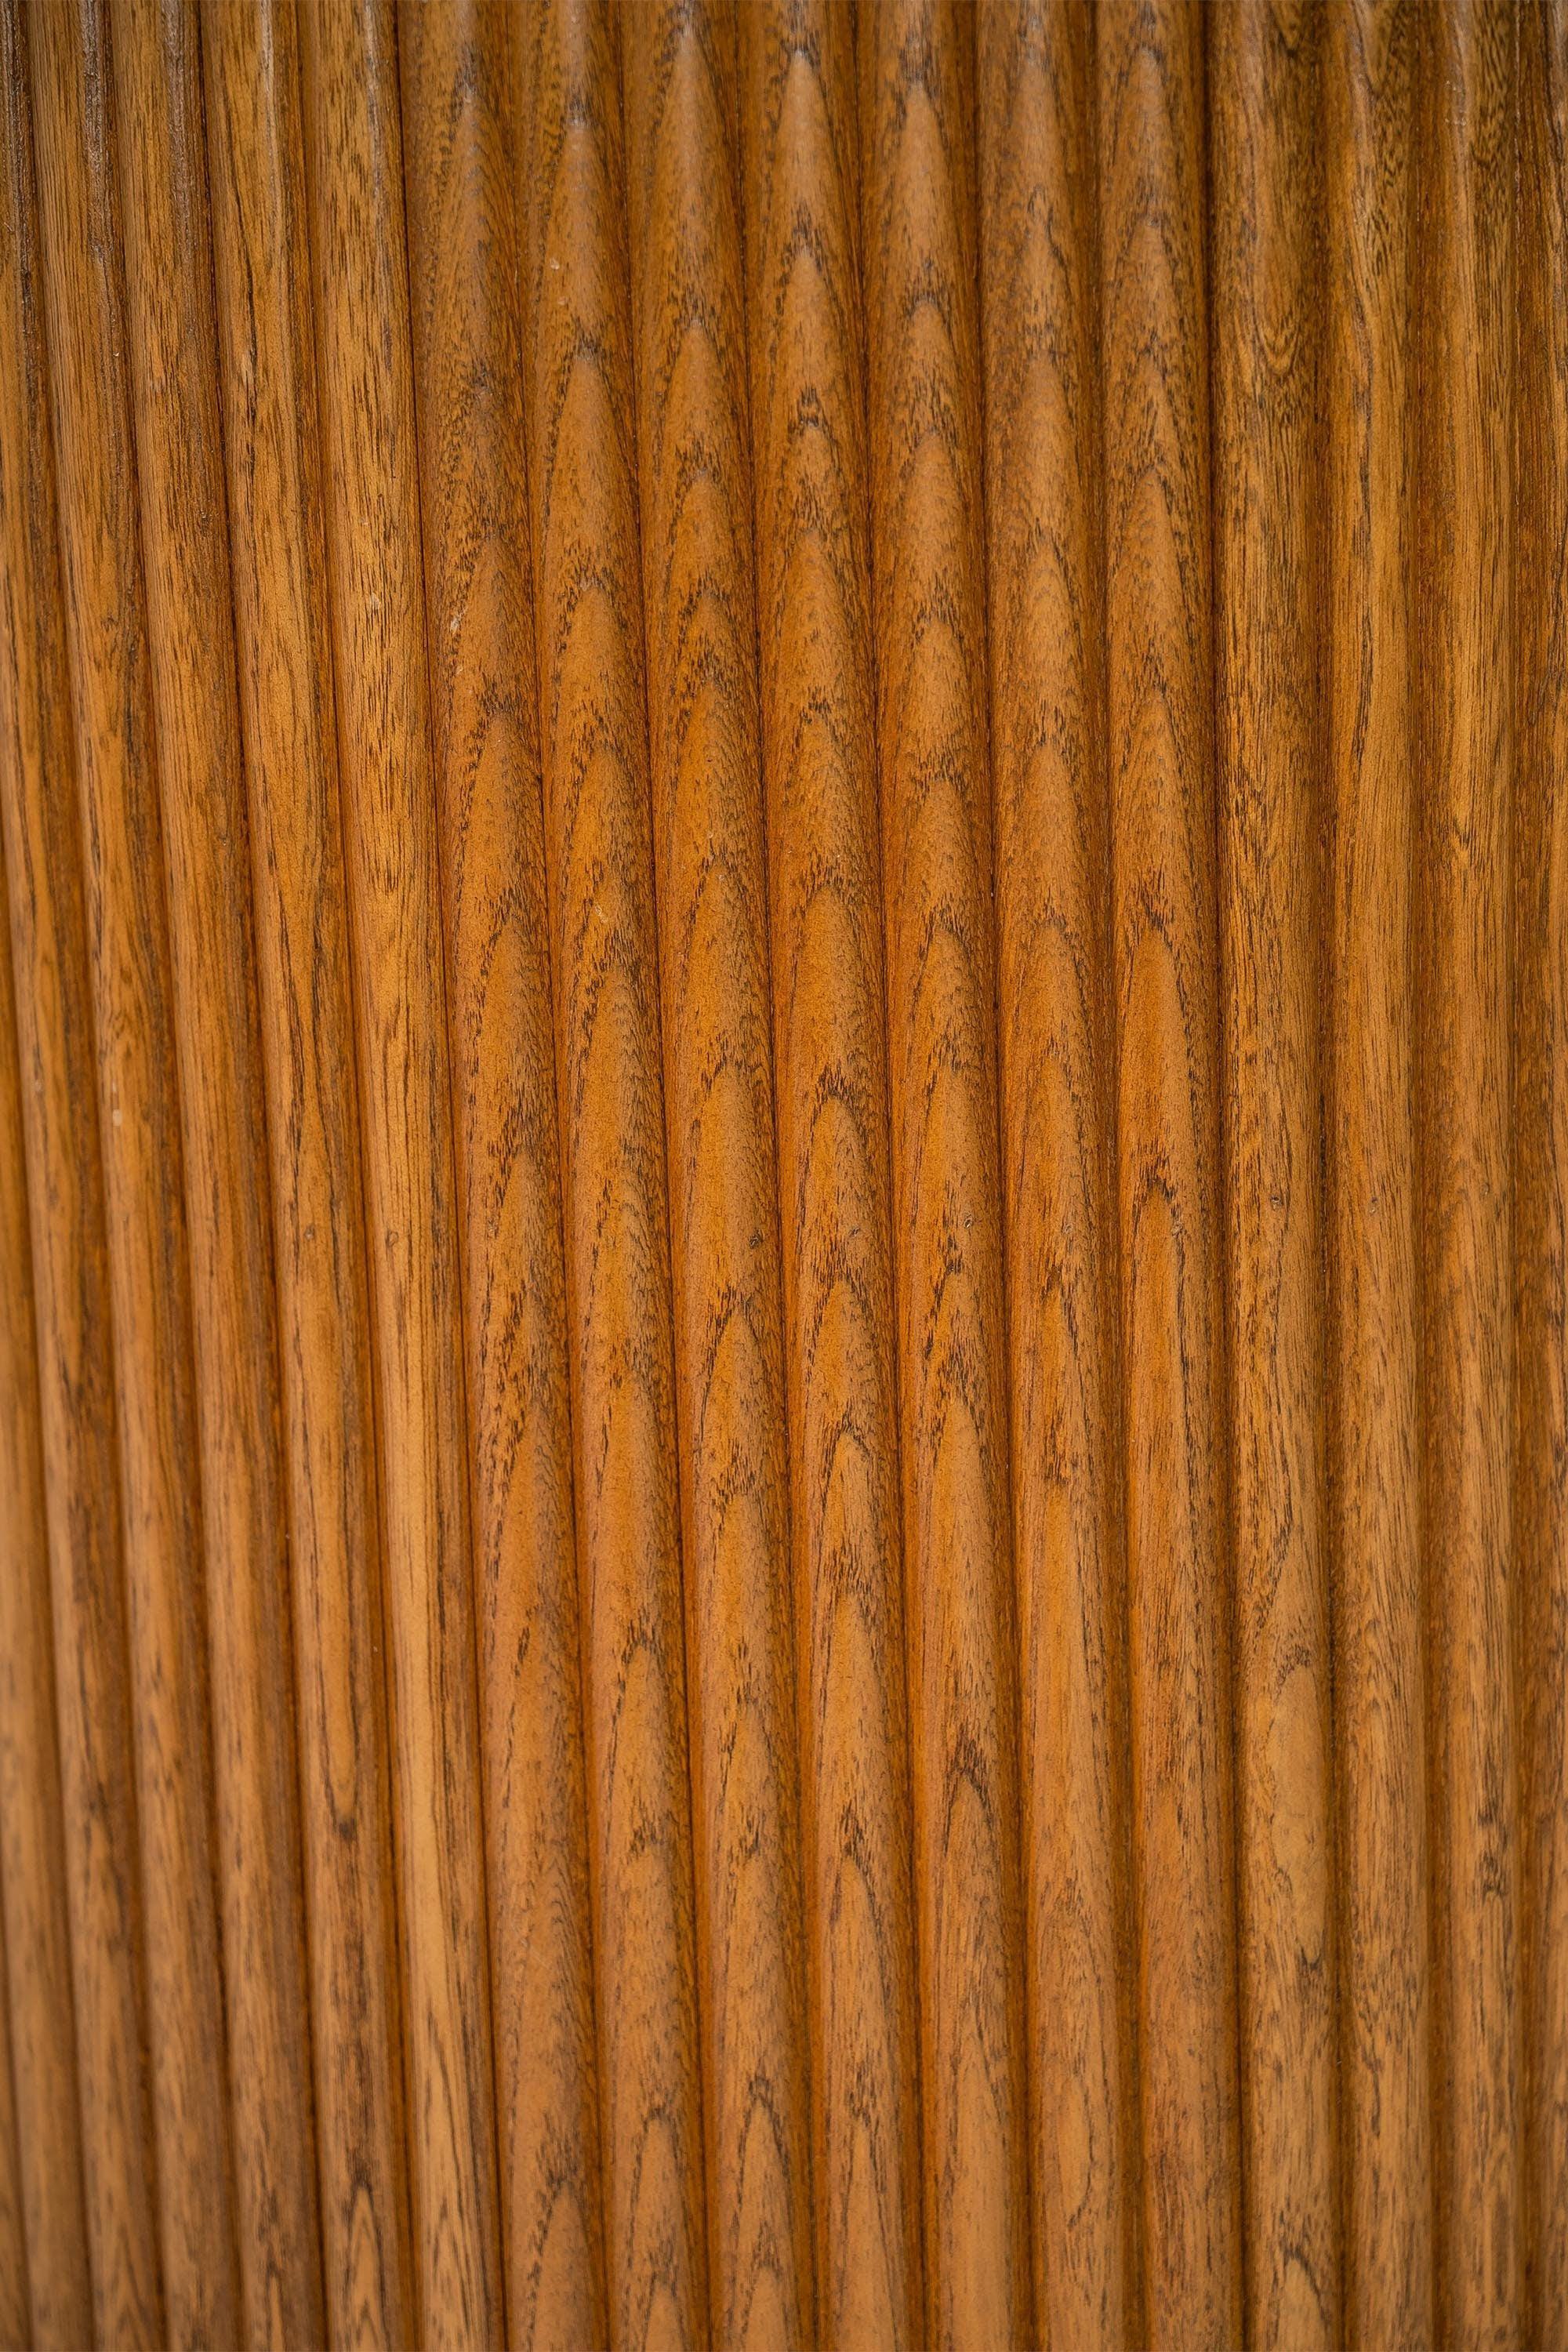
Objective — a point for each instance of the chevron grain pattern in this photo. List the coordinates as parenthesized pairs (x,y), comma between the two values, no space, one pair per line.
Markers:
(783,1174)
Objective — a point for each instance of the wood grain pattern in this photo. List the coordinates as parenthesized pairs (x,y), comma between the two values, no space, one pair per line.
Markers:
(582,477)
(1465,557)
(44,2283)
(44,2256)
(1369,76)
(371,500)
(1151,165)
(15,2318)
(919,203)
(1269,744)
(118,778)
(1036,118)
(456,68)
(1540,1161)
(261,268)
(783,1541)
(824,856)
(688,297)
(57,1058)
(185,537)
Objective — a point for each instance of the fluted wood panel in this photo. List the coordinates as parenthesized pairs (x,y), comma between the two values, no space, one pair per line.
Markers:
(783,1173)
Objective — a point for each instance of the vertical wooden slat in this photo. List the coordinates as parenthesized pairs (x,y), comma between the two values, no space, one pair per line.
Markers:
(371,496)
(184,537)
(16,2322)
(32,1892)
(1369,70)
(49,2259)
(458,117)
(255,162)
(118,781)
(1036,132)
(1469,160)
(1540,1156)
(577,378)
(1152,168)
(819,704)
(48,920)
(1269,743)
(916,64)
(689,342)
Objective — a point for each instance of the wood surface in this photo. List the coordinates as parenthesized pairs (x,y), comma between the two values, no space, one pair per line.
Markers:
(680,75)
(456,80)
(1369,117)
(1164,960)
(67,1233)
(783,1173)
(1037,115)
(353,178)
(835,1203)
(1270,746)
(1540,1162)
(272,451)
(919,215)
(118,778)
(598,829)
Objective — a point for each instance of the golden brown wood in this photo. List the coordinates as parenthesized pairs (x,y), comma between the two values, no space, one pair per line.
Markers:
(1541,1160)
(118,778)
(680,77)
(1465,697)
(1269,743)
(1150,90)
(70,1297)
(179,477)
(1369,70)
(577,376)
(44,2289)
(814,597)
(456,66)
(262,280)
(1036,119)
(371,499)
(918,200)
(15,2322)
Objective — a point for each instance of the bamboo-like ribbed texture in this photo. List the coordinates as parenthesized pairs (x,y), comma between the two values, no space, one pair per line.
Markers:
(783,1174)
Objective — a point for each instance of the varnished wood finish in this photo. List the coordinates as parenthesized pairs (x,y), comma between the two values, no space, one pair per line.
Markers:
(1368,113)
(1269,744)
(262,279)
(456,68)
(179,478)
(1541,1161)
(1465,697)
(814,611)
(1036,124)
(44,2280)
(783,1173)
(919,211)
(1164,951)
(581,476)
(119,781)
(682,170)
(56,1058)
(371,500)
